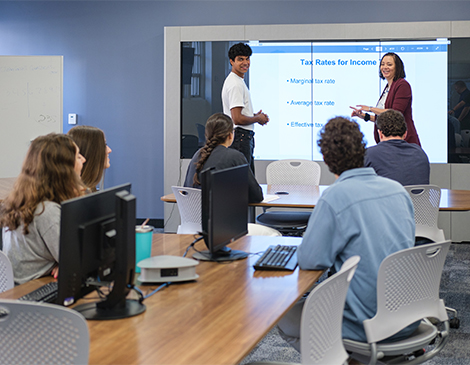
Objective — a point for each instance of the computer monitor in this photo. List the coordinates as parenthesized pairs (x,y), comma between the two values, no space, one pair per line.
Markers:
(97,248)
(224,212)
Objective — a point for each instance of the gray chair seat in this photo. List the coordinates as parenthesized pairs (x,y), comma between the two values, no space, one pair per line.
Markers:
(282,219)
(423,335)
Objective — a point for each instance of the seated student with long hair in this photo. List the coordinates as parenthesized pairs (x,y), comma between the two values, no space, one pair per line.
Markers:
(93,147)
(30,215)
(215,153)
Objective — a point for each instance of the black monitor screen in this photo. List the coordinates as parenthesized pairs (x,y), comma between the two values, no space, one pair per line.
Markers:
(224,211)
(97,248)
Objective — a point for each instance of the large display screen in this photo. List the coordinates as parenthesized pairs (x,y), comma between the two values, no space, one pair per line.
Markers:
(302,85)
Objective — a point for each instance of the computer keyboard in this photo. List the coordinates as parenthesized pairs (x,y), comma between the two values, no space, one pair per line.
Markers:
(46,293)
(278,258)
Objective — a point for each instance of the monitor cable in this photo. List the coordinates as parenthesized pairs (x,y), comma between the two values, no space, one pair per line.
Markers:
(196,239)
(141,295)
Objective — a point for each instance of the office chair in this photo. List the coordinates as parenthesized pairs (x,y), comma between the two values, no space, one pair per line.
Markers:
(189,206)
(426,200)
(407,291)
(322,319)
(6,273)
(287,173)
(32,333)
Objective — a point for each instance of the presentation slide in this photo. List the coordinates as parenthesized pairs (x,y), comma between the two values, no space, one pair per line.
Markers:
(303,85)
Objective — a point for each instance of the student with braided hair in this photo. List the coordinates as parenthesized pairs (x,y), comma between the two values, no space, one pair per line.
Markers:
(215,153)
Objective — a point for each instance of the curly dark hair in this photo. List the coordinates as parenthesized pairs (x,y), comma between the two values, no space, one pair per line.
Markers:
(342,145)
(399,67)
(239,49)
(218,128)
(391,123)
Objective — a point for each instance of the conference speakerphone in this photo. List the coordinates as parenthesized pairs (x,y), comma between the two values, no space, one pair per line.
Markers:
(165,268)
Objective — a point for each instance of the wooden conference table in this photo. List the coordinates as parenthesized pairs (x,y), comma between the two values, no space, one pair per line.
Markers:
(217,319)
(307,197)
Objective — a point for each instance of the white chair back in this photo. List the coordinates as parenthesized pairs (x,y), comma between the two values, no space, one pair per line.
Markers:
(293,172)
(408,290)
(322,318)
(282,174)
(6,273)
(189,206)
(426,199)
(41,333)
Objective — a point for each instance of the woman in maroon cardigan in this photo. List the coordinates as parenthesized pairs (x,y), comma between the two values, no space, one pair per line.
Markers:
(396,96)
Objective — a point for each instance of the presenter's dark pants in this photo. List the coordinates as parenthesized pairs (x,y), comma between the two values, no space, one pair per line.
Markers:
(245,143)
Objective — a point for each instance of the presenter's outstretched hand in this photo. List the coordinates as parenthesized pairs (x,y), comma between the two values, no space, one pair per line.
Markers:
(262,118)
(357,112)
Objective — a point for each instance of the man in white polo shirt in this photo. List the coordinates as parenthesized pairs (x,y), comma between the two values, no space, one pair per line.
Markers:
(237,104)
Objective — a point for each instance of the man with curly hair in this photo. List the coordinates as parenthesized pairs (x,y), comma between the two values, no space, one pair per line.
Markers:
(395,158)
(360,214)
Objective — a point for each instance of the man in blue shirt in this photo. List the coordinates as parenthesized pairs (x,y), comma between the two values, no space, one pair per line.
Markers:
(395,158)
(360,214)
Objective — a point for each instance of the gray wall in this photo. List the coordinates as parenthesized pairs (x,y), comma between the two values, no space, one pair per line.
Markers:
(113,60)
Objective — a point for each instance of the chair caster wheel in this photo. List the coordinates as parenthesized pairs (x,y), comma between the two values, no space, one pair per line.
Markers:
(454,322)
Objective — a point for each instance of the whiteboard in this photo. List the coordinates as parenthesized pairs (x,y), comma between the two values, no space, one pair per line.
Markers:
(30,105)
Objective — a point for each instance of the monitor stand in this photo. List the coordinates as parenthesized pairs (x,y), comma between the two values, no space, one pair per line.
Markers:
(93,312)
(225,254)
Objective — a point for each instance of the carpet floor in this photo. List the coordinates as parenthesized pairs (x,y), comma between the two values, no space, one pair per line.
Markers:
(455,291)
